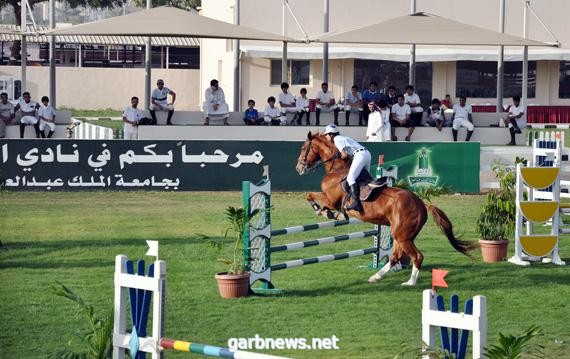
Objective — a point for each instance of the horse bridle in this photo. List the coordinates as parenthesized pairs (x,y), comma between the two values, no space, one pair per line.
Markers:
(318,163)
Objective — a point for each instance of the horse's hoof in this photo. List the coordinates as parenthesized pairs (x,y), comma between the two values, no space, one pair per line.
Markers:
(375,278)
(409,284)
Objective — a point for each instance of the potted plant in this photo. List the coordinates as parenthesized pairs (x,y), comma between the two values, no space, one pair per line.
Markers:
(496,220)
(234,282)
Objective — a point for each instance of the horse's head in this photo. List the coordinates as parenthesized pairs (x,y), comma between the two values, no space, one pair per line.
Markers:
(316,150)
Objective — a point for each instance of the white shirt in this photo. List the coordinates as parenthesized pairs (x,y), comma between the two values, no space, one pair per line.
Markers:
(302,102)
(347,144)
(436,115)
(161,96)
(215,97)
(413,98)
(285,98)
(46,112)
(462,112)
(272,112)
(401,111)
(131,114)
(351,99)
(6,110)
(27,107)
(515,111)
(325,97)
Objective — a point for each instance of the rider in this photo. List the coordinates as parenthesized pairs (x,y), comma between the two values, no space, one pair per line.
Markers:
(361,159)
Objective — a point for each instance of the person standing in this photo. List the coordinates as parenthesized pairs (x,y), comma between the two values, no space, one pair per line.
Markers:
(462,117)
(516,119)
(391,98)
(378,122)
(46,114)
(361,160)
(159,102)
(131,117)
(372,94)
(6,113)
(29,109)
(215,106)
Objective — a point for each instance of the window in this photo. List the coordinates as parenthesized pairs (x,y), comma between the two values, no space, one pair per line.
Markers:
(391,73)
(479,79)
(564,80)
(298,72)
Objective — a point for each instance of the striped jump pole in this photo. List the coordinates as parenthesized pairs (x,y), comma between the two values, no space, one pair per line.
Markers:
(210,350)
(258,233)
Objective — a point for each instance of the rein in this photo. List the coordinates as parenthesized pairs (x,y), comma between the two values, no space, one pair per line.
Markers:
(320,162)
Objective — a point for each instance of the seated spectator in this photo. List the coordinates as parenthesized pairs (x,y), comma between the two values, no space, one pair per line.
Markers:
(400,117)
(28,108)
(159,102)
(251,116)
(462,117)
(372,94)
(131,118)
(287,102)
(215,106)
(326,103)
(46,114)
(379,129)
(353,103)
(447,104)
(413,100)
(6,113)
(435,116)
(391,98)
(303,107)
(272,115)
(515,119)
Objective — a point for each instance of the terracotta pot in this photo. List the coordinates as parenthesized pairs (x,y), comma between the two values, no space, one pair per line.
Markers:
(233,286)
(494,251)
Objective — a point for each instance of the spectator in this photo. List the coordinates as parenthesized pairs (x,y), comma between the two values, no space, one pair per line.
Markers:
(251,116)
(353,103)
(287,102)
(303,107)
(378,122)
(391,98)
(435,116)
(326,103)
(272,115)
(447,104)
(400,117)
(131,117)
(215,106)
(6,113)
(372,94)
(46,114)
(462,117)
(28,108)
(515,119)
(413,100)
(159,102)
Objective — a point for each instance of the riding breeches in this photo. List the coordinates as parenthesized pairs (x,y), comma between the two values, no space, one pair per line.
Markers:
(360,161)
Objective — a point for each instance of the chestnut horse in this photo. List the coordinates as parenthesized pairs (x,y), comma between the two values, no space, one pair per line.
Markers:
(398,208)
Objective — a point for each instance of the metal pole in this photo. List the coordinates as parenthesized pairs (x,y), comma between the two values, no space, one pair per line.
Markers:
(147,63)
(525,59)
(326,45)
(500,63)
(52,76)
(412,72)
(284,71)
(236,61)
(23,44)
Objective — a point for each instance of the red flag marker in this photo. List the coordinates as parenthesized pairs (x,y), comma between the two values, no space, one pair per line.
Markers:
(438,278)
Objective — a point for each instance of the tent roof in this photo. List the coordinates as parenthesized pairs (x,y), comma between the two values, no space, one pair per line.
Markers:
(169,22)
(424,29)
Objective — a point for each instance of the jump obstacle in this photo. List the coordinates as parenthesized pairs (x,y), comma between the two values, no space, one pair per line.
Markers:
(473,318)
(541,184)
(258,234)
(142,289)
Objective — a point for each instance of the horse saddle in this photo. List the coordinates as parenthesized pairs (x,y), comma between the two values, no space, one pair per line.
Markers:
(366,184)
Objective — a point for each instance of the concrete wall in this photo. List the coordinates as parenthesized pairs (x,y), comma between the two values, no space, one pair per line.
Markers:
(101,88)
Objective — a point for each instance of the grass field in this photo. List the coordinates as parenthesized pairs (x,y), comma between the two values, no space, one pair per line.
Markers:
(74,237)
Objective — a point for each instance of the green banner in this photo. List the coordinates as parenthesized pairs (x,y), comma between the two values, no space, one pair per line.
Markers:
(211,165)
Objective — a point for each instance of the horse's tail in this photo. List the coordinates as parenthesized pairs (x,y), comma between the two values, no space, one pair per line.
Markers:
(446,227)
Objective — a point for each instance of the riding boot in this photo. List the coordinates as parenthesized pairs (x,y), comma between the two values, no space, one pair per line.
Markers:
(22,129)
(512,131)
(153,115)
(454,132)
(318,115)
(347,118)
(37,129)
(42,134)
(469,134)
(355,200)
(50,133)
(169,118)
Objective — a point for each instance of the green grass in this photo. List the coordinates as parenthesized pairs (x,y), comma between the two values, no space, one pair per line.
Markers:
(115,125)
(74,238)
(93,113)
